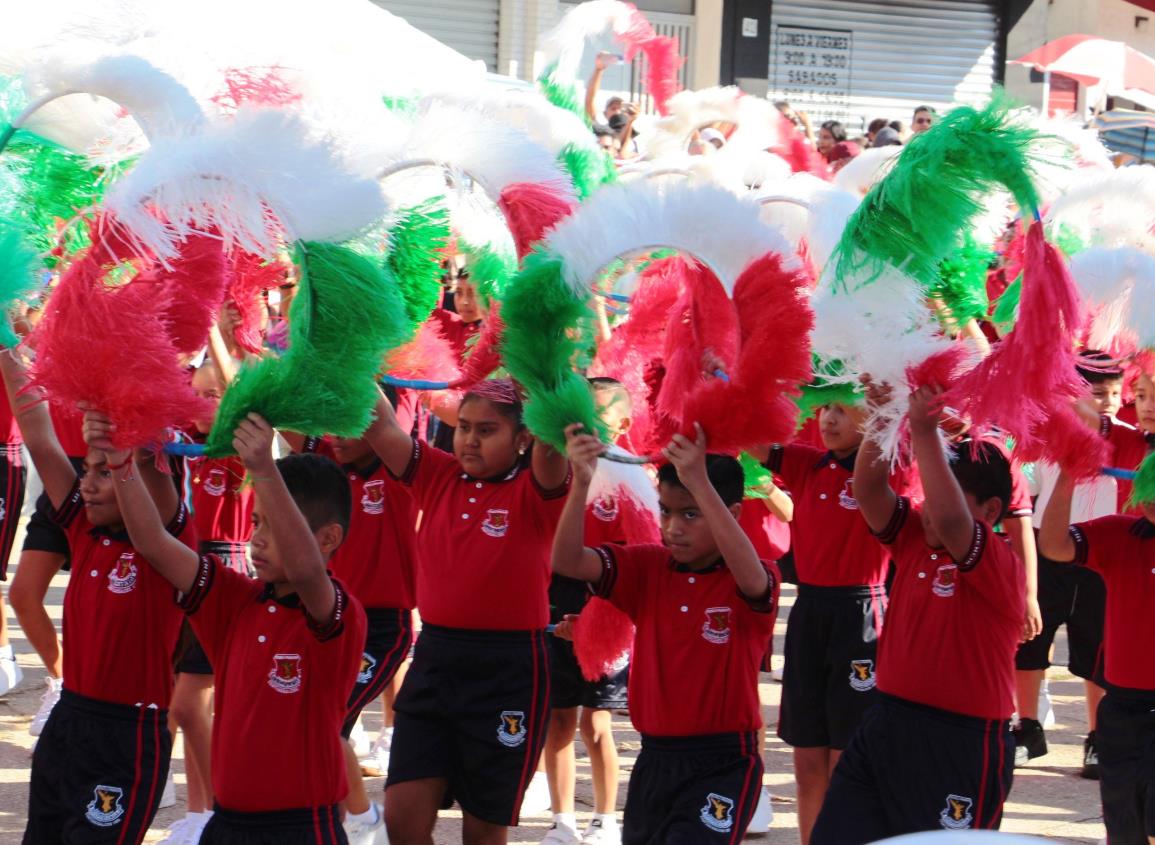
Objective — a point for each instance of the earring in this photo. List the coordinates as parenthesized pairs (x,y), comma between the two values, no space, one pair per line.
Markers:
(521,451)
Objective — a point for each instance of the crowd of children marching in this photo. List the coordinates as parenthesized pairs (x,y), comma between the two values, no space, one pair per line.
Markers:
(260,604)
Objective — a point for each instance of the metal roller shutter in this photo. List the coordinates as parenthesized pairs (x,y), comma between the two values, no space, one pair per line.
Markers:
(468,26)
(853,60)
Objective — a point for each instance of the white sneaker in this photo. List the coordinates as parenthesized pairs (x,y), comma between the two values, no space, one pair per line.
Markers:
(168,797)
(375,763)
(47,702)
(367,832)
(1046,708)
(10,673)
(776,674)
(763,814)
(175,833)
(560,834)
(536,800)
(359,739)
(599,834)
(195,827)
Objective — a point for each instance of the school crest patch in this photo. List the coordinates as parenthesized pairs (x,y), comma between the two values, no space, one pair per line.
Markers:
(122,576)
(105,810)
(862,675)
(511,731)
(944,580)
(957,815)
(216,482)
(368,664)
(717,627)
(373,496)
(285,676)
(718,814)
(496,522)
(846,497)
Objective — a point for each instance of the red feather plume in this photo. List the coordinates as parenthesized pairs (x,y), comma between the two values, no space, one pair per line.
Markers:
(249,276)
(531,210)
(193,284)
(800,154)
(428,356)
(601,635)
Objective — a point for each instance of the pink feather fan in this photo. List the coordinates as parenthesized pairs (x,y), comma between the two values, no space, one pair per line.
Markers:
(113,346)
(1027,384)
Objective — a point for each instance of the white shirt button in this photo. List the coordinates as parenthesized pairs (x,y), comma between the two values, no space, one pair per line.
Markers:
(822,496)
(352,477)
(934,557)
(261,638)
(465,516)
(478,485)
(94,573)
(272,608)
(104,542)
(691,579)
(834,466)
(685,609)
(922,575)
(472,500)
(1153,571)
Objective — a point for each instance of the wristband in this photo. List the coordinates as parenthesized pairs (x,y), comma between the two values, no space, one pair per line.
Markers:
(122,464)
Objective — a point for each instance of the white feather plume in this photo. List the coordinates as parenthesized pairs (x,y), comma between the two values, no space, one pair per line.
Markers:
(565,43)
(258,178)
(866,169)
(1120,284)
(718,228)
(755,120)
(1108,208)
(624,480)
(830,210)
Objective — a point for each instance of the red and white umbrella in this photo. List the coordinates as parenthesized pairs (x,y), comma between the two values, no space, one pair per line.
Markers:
(1095,61)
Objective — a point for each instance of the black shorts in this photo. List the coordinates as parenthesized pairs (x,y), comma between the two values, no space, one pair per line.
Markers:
(913,768)
(13,478)
(569,687)
(1125,740)
(474,710)
(312,826)
(1076,597)
(828,679)
(44,535)
(97,773)
(693,789)
(387,642)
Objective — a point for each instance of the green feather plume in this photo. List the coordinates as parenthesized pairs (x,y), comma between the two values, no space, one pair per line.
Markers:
(758,478)
(564,95)
(345,316)
(490,269)
(540,347)
(1143,490)
(962,281)
(1007,307)
(588,168)
(19,269)
(415,245)
(824,389)
(913,218)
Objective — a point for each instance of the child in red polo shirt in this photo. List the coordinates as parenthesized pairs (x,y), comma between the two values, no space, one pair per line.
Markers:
(936,752)
(286,646)
(100,765)
(832,633)
(471,715)
(1121,549)
(704,606)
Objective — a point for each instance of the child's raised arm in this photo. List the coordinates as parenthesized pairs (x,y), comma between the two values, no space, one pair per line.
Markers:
(571,557)
(31,412)
(872,491)
(689,458)
(550,468)
(172,559)
(304,564)
(1055,541)
(392,443)
(945,505)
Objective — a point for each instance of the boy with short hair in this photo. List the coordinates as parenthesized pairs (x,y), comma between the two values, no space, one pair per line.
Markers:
(1121,548)
(286,647)
(100,764)
(702,600)
(936,752)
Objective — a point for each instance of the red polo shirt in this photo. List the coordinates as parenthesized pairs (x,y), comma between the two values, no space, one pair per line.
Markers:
(1129,446)
(9,429)
(282,685)
(484,547)
(952,627)
(222,503)
(120,625)
(455,330)
(1122,550)
(833,546)
(698,644)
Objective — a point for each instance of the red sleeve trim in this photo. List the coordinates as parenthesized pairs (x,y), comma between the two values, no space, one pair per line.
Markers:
(190,602)
(604,586)
(774,461)
(888,535)
(325,631)
(1104,426)
(410,473)
(68,511)
(1082,545)
(558,492)
(179,521)
(978,546)
(764,603)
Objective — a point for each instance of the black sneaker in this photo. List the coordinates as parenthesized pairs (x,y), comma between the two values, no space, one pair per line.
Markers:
(1030,741)
(1090,758)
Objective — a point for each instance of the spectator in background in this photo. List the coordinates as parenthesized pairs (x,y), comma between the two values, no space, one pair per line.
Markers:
(872,130)
(607,140)
(800,119)
(924,117)
(834,146)
(886,137)
(614,105)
